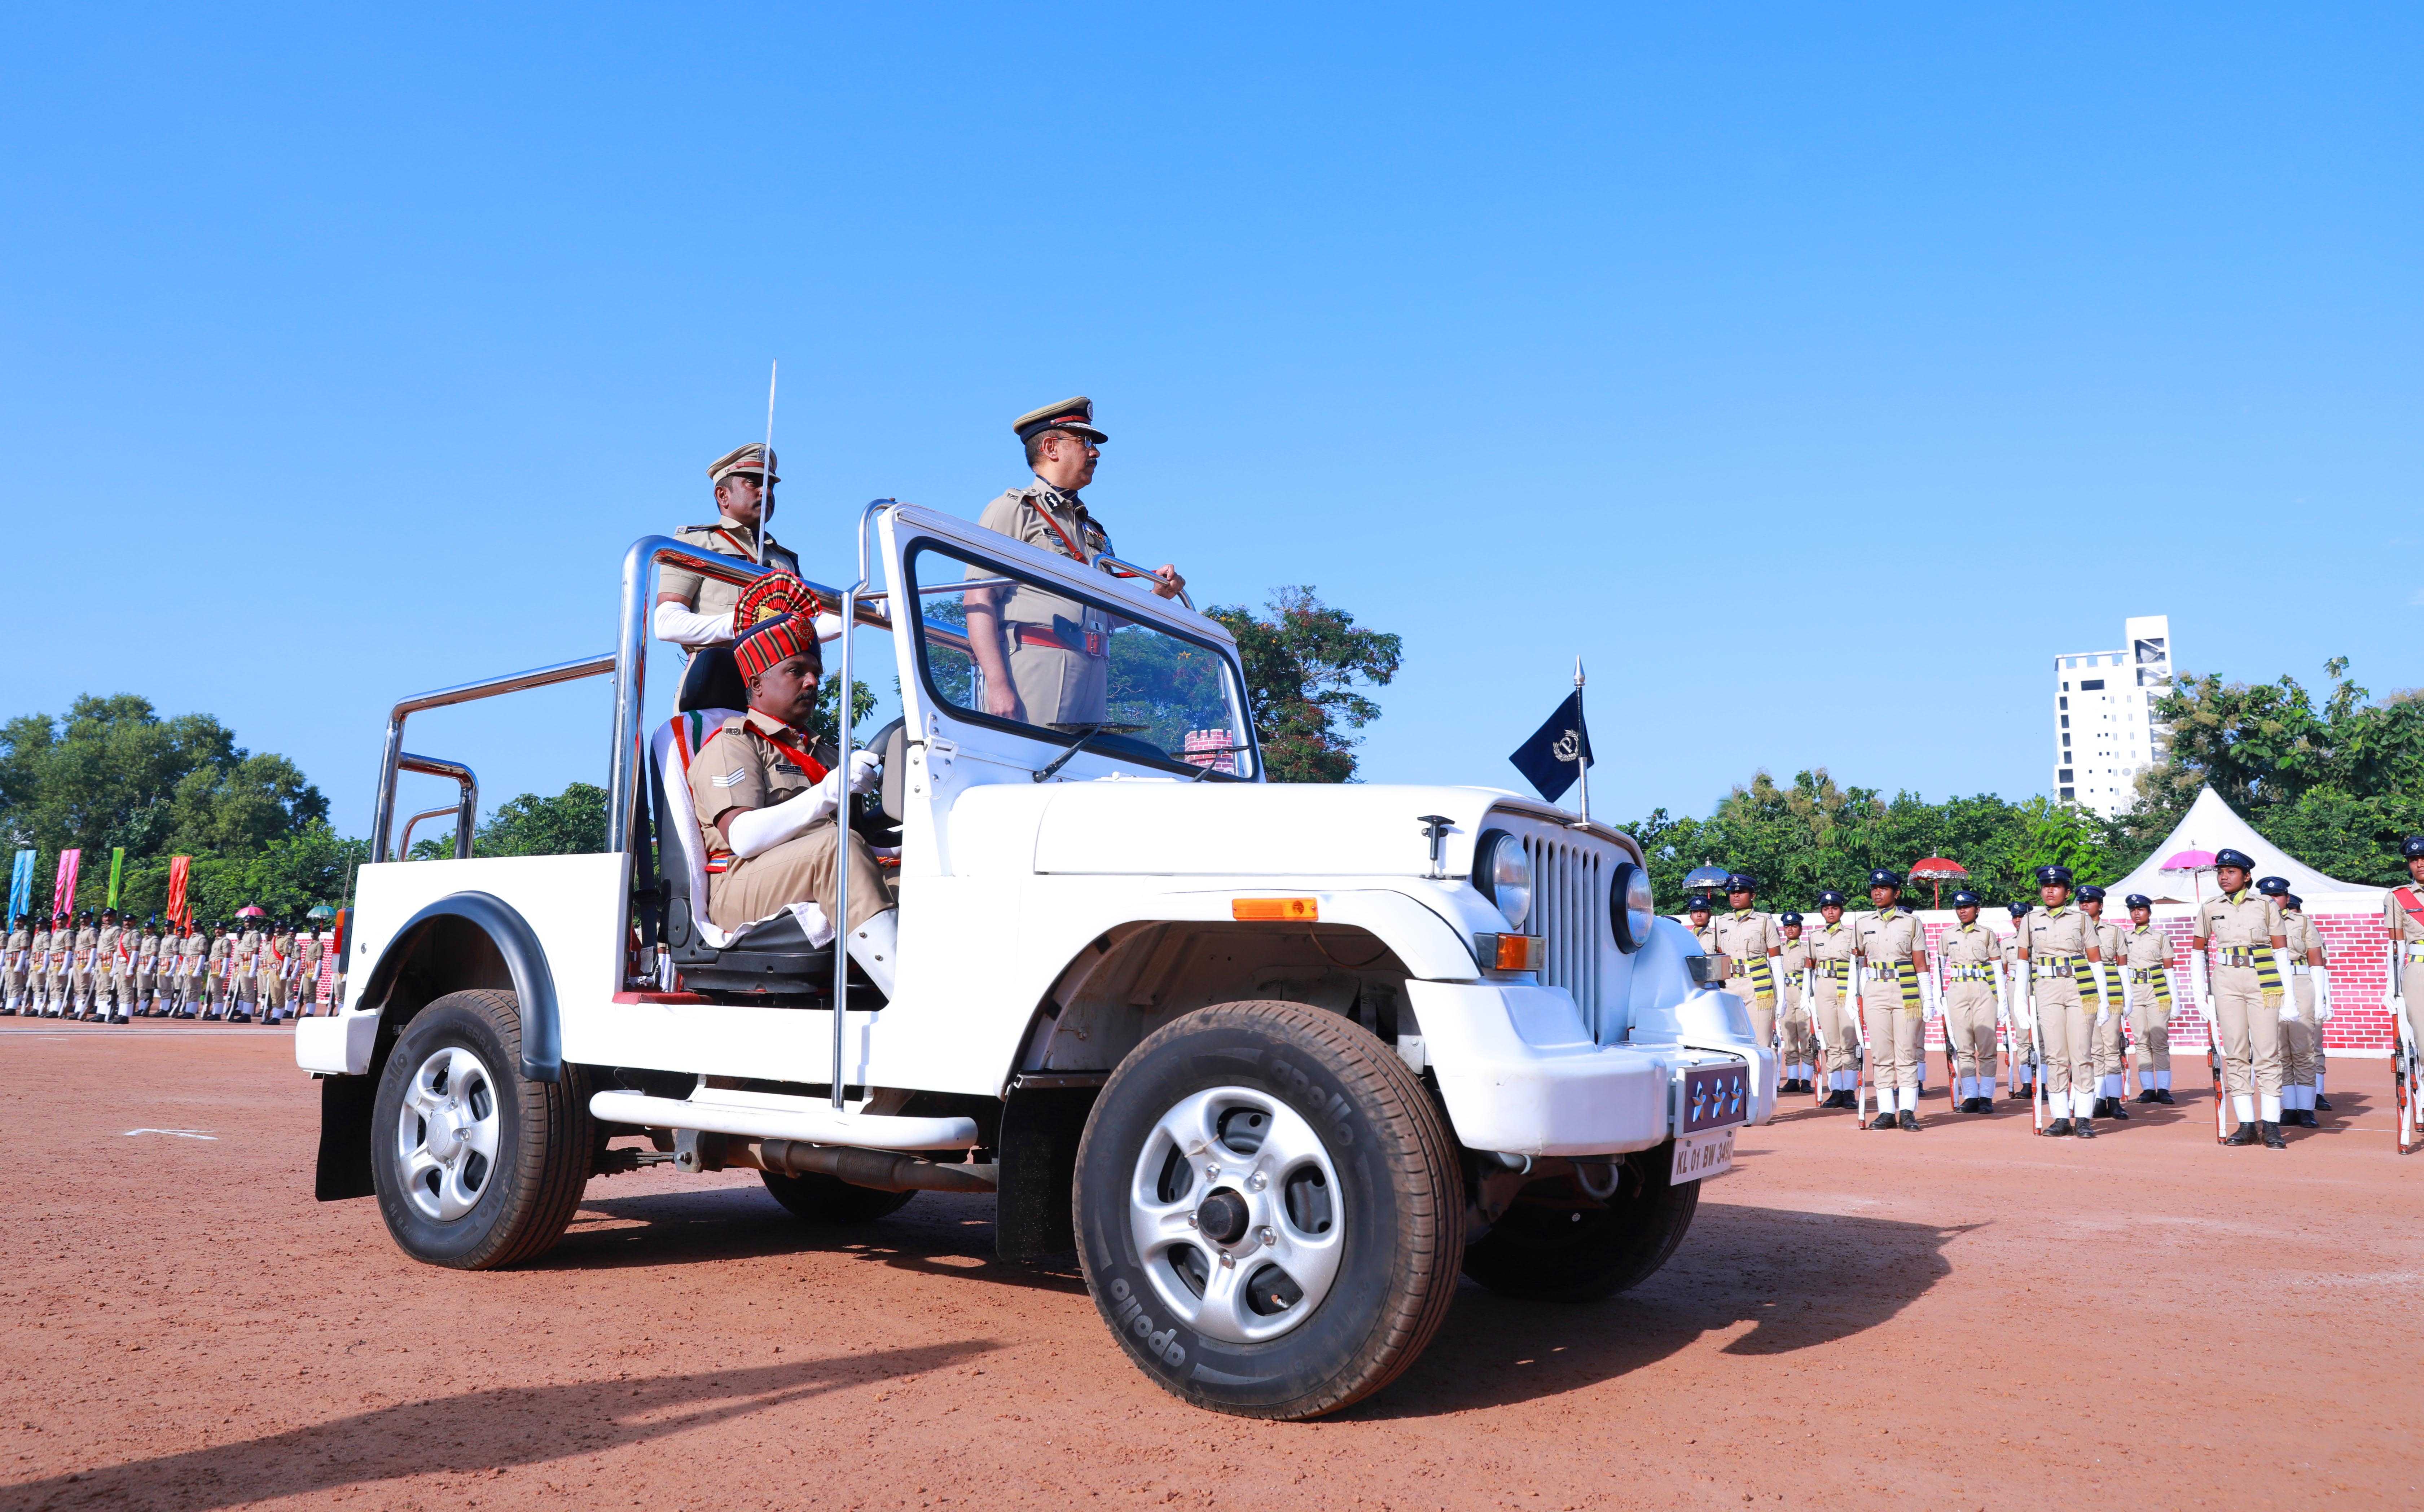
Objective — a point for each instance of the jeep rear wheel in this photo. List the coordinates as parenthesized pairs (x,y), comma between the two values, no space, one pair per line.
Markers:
(1270,1215)
(1556,1244)
(475,1166)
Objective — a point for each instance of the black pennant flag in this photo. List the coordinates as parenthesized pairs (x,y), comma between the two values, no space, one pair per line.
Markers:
(1558,751)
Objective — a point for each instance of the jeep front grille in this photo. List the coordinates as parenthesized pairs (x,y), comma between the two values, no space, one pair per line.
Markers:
(1570,911)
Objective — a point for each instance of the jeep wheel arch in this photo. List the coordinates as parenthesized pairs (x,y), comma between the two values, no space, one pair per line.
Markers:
(463,941)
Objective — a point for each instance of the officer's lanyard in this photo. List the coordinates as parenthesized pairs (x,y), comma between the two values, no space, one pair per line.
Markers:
(738,549)
(1057,529)
(815,769)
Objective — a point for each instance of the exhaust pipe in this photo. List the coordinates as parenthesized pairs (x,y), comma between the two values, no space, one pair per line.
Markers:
(881,1169)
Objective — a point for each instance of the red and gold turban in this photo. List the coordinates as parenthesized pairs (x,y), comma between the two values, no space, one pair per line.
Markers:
(774,620)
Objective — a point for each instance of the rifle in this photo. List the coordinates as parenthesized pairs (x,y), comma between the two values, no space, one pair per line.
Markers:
(2201,982)
(2036,1056)
(1859,1060)
(2402,1059)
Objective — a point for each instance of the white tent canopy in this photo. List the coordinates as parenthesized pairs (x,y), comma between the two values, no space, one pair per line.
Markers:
(2211,824)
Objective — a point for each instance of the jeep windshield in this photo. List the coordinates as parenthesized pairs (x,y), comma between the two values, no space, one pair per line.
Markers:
(1014,651)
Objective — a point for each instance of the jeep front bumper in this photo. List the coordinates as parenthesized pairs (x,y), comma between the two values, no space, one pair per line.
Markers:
(1521,1075)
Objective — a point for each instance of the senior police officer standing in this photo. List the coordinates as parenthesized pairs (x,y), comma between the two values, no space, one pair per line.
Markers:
(1830,1010)
(2059,944)
(2147,957)
(1793,1007)
(2109,1016)
(1892,949)
(1749,938)
(1971,972)
(693,611)
(2242,930)
(1044,659)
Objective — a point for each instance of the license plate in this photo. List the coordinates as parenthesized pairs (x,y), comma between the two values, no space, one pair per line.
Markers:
(1703,1154)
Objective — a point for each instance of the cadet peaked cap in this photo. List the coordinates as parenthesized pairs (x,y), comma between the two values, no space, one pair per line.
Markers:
(1068,415)
(2139,900)
(1884,878)
(748,458)
(2051,876)
(2412,846)
(2234,858)
(2293,901)
(2274,886)
(1965,899)
(1697,905)
(1740,881)
(1830,897)
(2018,907)
(1789,919)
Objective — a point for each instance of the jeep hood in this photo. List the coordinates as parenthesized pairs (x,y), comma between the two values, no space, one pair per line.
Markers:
(1241,829)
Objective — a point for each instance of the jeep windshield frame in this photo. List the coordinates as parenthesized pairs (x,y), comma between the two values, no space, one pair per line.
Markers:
(929,633)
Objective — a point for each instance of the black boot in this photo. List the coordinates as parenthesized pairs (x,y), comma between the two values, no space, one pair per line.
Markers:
(1883,1121)
(2323,1103)
(2164,1095)
(2306,1118)
(2271,1136)
(2119,1111)
(2084,1128)
(2245,1134)
(1909,1120)
(2059,1129)
(2146,1094)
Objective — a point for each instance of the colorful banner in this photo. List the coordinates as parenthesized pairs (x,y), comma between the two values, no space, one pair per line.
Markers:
(63,887)
(20,887)
(117,864)
(179,913)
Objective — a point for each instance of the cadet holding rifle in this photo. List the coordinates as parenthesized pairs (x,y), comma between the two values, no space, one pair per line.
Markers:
(1830,984)
(1792,1003)
(1749,938)
(2244,975)
(2110,1011)
(2060,949)
(2147,957)
(1970,951)
(1893,985)
(2309,1003)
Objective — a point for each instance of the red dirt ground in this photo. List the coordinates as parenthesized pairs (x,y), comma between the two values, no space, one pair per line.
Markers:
(1962,1318)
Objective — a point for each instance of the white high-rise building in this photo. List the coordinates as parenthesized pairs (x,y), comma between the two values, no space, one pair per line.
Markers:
(2105,729)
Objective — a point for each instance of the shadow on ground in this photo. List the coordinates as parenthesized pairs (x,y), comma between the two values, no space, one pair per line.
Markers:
(486,1433)
(938,1233)
(1800,1280)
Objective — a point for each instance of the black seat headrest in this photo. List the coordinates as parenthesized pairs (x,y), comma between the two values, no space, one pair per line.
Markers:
(712,680)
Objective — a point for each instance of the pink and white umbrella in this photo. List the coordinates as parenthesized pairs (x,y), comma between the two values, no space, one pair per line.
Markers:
(2194,862)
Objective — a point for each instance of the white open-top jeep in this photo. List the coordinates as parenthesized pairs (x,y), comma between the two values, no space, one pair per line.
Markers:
(1276,1059)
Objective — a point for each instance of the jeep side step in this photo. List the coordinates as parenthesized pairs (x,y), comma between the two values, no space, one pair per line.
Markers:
(774,1115)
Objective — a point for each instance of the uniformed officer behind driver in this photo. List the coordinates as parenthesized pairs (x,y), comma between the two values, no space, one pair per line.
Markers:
(768,808)
(1043,658)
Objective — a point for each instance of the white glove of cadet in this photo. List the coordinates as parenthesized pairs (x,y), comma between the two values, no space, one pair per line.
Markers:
(2322,995)
(683,627)
(760,830)
(2289,1010)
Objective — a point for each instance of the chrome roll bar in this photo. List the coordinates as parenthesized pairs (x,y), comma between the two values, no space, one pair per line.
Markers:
(404,846)
(391,759)
(467,802)
(1120,567)
(849,604)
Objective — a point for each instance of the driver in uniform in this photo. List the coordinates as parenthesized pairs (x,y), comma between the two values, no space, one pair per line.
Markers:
(768,808)
(1043,658)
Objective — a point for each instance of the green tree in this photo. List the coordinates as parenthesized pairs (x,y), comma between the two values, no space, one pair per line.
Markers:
(1304,663)
(572,823)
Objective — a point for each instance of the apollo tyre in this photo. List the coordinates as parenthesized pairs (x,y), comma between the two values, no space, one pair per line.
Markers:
(1556,1244)
(1269,1211)
(475,1166)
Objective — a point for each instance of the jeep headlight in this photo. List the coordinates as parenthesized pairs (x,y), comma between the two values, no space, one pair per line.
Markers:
(1631,909)
(1504,874)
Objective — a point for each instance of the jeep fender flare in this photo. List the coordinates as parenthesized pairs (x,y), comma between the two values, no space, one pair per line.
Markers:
(515,940)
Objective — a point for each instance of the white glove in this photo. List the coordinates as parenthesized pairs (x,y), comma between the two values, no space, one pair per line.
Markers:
(760,830)
(683,627)
(866,771)
(2322,995)
(2289,1010)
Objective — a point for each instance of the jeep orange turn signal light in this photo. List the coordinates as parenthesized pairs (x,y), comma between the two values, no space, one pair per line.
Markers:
(1512,952)
(1275,910)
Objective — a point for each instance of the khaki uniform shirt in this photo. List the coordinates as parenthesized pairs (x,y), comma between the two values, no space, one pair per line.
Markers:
(248,951)
(729,537)
(88,941)
(2245,920)
(1705,936)
(222,948)
(2060,932)
(1892,935)
(2404,928)
(147,952)
(1045,518)
(2301,934)
(1747,935)
(307,954)
(751,762)
(1829,943)
(2145,948)
(106,944)
(40,946)
(1970,944)
(1796,953)
(193,944)
(282,944)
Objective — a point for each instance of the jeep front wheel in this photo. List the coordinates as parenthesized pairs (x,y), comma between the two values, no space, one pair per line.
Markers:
(1269,1211)
(475,1166)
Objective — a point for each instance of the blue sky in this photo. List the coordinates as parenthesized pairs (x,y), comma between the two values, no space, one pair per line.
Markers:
(1816,373)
